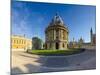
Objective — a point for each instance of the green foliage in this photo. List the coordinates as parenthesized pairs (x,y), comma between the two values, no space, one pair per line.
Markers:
(36,43)
(56,52)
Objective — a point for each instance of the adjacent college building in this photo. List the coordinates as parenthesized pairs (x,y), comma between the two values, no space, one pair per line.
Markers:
(20,43)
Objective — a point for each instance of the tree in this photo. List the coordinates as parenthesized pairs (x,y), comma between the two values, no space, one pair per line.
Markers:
(36,43)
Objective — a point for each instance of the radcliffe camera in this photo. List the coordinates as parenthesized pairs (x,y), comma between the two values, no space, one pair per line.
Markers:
(52,37)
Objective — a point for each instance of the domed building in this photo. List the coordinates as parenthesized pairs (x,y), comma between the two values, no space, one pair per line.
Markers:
(56,34)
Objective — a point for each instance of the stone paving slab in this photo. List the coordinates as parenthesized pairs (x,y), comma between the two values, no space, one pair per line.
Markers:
(23,62)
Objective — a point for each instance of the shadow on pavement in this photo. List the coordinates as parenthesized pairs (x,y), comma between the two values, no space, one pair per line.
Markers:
(16,70)
(59,62)
(56,62)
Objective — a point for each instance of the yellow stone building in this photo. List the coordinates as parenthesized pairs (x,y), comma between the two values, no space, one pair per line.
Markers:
(56,34)
(19,43)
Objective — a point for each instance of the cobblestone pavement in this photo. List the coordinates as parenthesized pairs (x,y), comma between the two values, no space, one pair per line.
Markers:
(23,62)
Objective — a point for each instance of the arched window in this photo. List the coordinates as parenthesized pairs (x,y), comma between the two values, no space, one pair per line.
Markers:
(57,45)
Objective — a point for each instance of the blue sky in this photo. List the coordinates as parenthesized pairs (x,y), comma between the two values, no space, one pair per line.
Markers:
(31,19)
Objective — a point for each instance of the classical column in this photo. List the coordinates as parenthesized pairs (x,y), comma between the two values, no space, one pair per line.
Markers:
(48,44)
(62,34)
(53,45)
(66,45)
(48,35)
(67,37)
(59,34)
(54,34)
(60,45)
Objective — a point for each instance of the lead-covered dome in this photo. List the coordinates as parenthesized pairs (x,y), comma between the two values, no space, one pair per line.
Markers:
(57,20)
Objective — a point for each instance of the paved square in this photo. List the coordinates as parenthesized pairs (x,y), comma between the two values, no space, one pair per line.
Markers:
(23,62)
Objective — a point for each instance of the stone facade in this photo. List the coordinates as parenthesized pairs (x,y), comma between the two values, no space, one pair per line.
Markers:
(56,34)
(19,43)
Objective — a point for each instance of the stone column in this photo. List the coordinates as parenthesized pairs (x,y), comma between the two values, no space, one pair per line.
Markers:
(47,45)
(53,46)
(59,34)
(66,45)
(67,38)
(64,35)
(45,36)
(48,35)
(60,45)
(54,34)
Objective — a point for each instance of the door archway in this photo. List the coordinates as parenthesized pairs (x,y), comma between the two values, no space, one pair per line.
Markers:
(57,45)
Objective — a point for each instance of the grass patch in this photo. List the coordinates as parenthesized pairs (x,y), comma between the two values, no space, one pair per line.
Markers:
(56,52)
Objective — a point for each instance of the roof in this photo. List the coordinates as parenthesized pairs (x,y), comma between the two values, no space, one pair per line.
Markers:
(57,20)
(21,37)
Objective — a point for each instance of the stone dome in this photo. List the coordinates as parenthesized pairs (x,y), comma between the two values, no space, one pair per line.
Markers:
(57,20)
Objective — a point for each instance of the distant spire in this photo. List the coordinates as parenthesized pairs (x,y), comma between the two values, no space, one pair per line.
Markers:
(56,13)
(73,39)
(81,38)
(91,30)
(91,33)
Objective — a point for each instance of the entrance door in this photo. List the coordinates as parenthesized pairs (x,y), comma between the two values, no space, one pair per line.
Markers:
(57,45)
